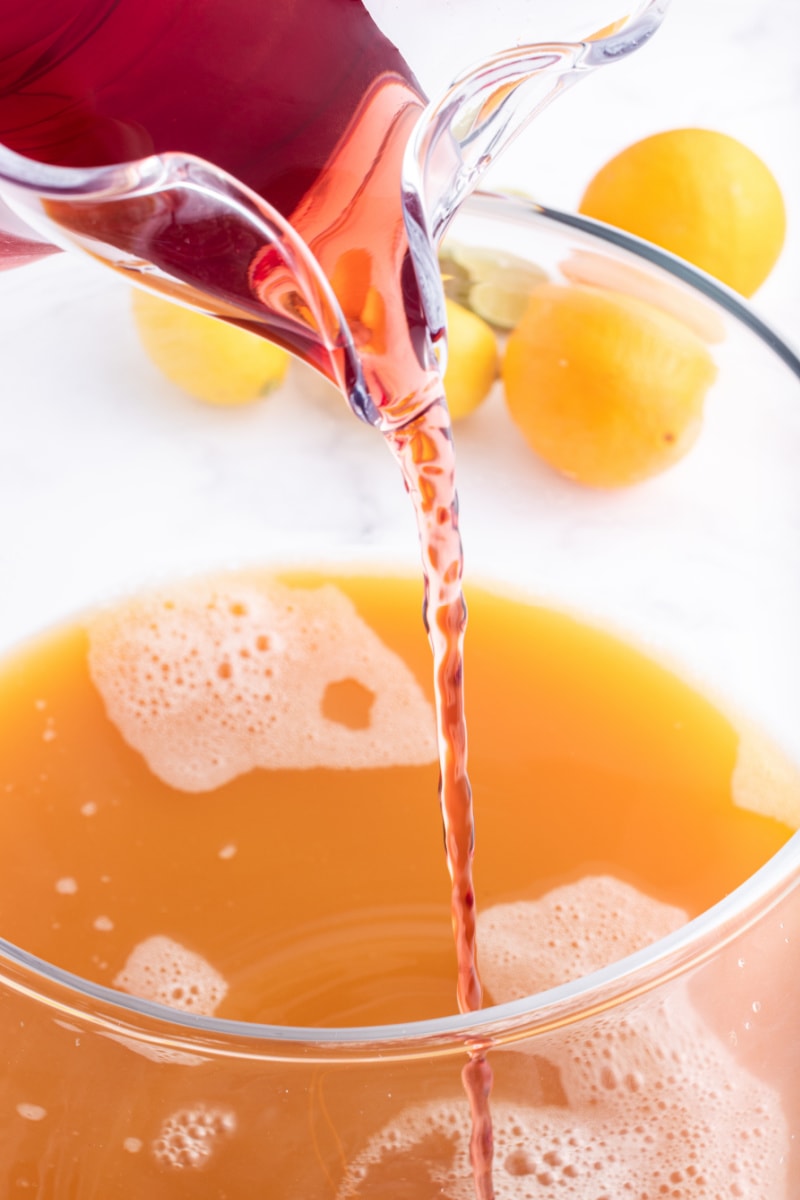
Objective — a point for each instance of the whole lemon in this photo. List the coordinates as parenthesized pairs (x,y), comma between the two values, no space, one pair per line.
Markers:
(606,388)
(206,357)
(700,194)
(472,360)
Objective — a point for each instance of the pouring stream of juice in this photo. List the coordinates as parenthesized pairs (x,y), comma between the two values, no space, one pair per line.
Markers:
(284,173)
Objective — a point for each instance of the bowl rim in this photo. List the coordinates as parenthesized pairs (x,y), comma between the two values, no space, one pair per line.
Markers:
(508,206)
(628,980)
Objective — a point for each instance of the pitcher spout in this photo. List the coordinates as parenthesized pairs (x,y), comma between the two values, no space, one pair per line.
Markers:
(470,123)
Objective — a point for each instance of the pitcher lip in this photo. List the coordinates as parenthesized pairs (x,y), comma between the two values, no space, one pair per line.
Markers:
(635,975)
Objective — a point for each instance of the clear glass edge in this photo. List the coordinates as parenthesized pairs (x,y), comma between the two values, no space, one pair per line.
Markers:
(635,975)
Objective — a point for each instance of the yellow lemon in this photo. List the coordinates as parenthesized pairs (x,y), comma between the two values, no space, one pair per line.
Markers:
(702,195)
(472,360)
(606,388)
(205,357)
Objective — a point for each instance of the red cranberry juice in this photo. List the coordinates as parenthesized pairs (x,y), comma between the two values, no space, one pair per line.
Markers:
(311,107)
(264,90)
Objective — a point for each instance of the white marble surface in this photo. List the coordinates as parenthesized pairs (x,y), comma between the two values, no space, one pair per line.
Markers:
(109,476)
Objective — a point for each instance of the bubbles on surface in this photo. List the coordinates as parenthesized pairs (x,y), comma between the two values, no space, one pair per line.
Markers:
(32,1112)
(532,945)
(67,886)
(162,970)
(209,681)
(189,1137)
(652,1104)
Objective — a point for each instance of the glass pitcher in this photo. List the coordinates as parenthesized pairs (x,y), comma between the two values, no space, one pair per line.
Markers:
(247,158)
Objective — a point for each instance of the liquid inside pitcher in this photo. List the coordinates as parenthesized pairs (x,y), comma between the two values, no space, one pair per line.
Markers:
(247,158)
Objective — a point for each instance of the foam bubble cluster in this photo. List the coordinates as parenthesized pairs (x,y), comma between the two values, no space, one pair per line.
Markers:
(529,946)
(162,970)
(189,1137)
(32,1112)
(650,1105)
(209,681)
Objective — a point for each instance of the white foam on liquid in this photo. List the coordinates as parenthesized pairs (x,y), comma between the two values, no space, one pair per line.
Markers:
(189,1137)
(210,680)
(529,946)
(656,1107)
(32,1112)
(163,970)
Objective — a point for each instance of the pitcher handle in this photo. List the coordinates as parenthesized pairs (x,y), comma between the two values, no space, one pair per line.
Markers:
(164,221)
